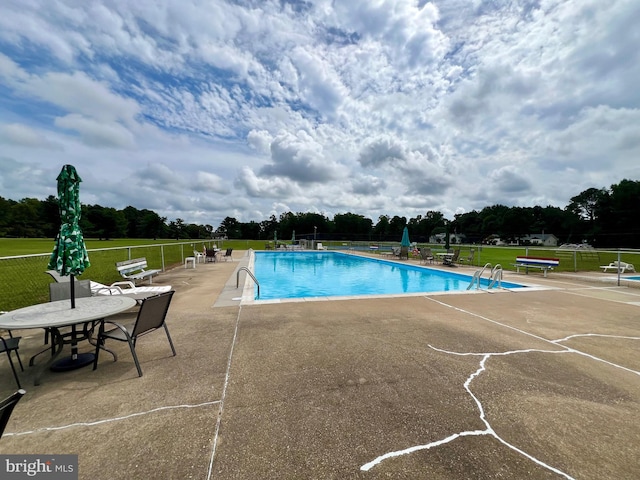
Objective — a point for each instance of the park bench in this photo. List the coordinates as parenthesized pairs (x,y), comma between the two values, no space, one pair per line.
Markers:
(136,269)
(545,264)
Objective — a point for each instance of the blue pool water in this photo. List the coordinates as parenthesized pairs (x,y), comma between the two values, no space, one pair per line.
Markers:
(328,274)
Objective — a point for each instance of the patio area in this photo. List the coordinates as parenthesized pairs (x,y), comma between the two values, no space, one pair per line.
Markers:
(535,384)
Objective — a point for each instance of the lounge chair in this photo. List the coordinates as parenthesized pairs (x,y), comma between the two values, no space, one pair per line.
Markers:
(126,287)
(618,266)
(129,289)
(319,246)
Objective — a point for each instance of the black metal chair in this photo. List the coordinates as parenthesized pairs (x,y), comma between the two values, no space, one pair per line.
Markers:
(6,408)
(151,316)
(227,254)
(11,344)
(210,255)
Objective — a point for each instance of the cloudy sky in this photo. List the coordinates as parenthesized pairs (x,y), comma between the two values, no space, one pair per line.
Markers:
(203,109)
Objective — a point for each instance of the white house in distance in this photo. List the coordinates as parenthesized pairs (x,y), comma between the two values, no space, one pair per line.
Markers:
(541,239)
(537,239)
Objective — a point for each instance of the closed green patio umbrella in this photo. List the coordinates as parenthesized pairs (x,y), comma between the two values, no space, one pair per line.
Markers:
(69,255)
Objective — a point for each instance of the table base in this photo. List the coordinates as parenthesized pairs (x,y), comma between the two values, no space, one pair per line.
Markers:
(68,363)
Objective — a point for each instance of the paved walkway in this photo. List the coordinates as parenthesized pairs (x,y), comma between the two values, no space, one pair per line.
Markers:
(542,383)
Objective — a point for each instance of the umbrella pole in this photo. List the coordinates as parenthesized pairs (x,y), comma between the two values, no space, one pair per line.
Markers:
(73,292)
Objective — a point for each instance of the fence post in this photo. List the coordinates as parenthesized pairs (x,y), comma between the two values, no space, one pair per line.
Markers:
(162,256)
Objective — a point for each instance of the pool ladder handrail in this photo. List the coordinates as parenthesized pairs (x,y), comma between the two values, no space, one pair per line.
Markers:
(495,276)
(250,274)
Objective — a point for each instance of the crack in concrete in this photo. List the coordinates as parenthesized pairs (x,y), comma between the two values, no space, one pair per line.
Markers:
(486,356)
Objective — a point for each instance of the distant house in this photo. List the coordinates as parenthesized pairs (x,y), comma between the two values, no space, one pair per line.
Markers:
(537,239)
(540,239)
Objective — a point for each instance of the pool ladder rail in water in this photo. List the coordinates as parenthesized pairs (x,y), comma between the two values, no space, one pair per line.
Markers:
(251,275)
(495,277)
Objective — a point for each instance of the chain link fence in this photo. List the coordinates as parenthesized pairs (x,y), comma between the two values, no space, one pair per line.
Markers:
(23,279)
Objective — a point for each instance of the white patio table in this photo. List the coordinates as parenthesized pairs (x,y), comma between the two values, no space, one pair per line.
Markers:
(55,315)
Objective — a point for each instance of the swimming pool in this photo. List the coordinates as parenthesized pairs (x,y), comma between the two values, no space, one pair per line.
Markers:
(329,274)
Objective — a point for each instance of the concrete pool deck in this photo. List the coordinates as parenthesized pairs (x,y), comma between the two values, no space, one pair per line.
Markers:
(543,383)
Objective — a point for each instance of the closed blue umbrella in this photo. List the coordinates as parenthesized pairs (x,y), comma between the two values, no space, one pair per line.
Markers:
(405,244)
(405,238)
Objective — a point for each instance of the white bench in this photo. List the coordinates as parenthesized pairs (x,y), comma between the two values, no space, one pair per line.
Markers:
(136,269)
(545,264)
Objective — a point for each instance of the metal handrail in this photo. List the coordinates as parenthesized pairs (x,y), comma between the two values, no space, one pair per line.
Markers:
(496,276)
(477,276)
(250,274)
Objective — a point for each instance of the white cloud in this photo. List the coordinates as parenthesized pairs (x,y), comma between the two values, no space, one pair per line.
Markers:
(23,135)
(377,107)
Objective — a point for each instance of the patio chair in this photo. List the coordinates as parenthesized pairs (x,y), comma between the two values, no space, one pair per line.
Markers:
(227,254)
(469,258)
(6,408)
(211,255)
(404,253)
(151,317)
(200,257)
(10,344)
(426,255)
(450,261)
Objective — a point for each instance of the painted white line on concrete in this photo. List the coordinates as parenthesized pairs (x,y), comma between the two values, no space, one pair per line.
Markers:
(109,420)
(224,394)
(467,385)
(594,335)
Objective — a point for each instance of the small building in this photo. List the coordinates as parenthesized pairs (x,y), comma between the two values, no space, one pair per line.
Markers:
(539,239)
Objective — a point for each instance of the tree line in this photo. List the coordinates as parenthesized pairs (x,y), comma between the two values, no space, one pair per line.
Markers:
(604,218)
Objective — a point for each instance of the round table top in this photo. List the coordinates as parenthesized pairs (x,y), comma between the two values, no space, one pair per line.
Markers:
(60,313)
